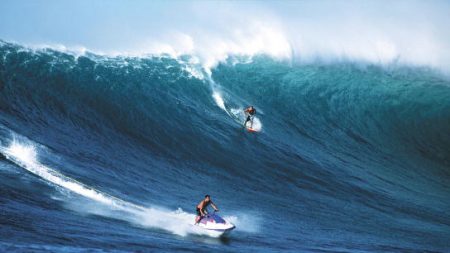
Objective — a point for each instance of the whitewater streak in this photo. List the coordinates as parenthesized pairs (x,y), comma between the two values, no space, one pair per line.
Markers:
(177,222)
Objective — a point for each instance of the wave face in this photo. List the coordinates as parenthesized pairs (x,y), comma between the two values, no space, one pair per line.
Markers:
(114,153)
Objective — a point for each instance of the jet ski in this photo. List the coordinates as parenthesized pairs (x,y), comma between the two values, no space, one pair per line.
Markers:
(215,225)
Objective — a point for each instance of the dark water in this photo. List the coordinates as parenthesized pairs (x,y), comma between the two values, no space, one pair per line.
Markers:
(104,154)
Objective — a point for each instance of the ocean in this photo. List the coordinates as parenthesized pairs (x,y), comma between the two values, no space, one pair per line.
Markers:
(113,153)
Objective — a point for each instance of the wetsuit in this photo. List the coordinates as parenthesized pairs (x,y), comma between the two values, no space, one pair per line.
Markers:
(250,113)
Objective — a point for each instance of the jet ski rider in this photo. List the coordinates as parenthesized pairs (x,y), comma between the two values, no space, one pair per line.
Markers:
(201,208)
(249,112)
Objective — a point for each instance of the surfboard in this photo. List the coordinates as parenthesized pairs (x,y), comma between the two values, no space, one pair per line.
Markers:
(250,129)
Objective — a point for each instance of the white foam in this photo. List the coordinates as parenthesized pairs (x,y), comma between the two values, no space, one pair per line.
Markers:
(257,125)
(246,222)
(75,50)
(205,47)
(177,222)
(414,32)
(219,100)
(26,157)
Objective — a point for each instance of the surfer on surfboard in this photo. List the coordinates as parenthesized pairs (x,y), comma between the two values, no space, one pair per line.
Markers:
(249,112)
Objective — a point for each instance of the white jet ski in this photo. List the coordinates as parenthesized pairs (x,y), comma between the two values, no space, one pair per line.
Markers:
(215,225)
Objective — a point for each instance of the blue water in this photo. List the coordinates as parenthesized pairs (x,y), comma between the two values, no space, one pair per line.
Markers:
(111,154)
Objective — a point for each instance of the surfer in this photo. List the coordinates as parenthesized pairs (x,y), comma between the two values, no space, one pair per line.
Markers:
(249,112)
(201,208)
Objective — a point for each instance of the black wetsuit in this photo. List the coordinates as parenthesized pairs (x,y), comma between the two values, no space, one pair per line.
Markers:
(250,114)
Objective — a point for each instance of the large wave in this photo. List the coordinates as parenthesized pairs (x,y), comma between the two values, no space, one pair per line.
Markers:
(409,33)
(362,139)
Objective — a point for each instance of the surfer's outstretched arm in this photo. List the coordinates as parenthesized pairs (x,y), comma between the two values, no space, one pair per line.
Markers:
(215,207)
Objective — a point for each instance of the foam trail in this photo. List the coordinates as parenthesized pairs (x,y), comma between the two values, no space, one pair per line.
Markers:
(177,222)
(192,68)
(235,113)
(219,100)
(25,157)
(217,95)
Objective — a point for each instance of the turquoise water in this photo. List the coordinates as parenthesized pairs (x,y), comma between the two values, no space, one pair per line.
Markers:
(113,153)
